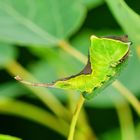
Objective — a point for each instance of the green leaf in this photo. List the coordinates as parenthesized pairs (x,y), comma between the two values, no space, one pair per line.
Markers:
(114,134)
(7,137)
(92,3)
(127,18)
(43,22)
(7,53)
(12,89)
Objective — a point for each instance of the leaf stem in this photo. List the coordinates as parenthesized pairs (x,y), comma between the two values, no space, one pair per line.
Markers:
(128,95)
(75,118)
(33,113)
(138,51)
(84,130)
(72,51)
(125,119)
(43,94)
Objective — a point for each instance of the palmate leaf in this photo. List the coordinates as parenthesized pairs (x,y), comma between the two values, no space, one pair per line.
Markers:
(39,22)
(106,58)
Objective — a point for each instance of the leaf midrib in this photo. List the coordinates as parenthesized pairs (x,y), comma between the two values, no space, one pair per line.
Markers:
(29,24)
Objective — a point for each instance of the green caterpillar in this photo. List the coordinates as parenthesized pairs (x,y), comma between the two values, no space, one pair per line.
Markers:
(107,55)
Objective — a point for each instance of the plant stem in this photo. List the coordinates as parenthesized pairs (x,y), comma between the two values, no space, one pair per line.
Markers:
(75,117)
(72,51)
(14,68)
(125,119)
(128,95)
(84,127)
(84,130)
(33,113)
(138,51)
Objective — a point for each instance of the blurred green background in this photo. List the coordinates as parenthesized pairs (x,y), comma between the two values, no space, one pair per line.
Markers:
(36,41)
